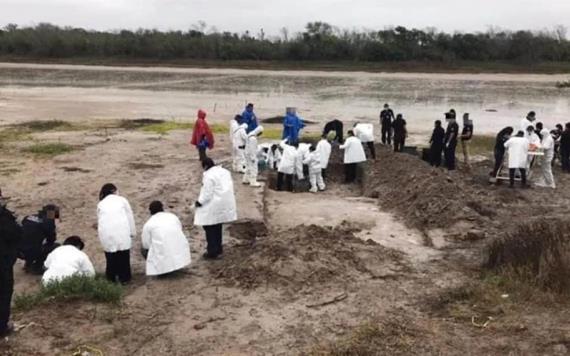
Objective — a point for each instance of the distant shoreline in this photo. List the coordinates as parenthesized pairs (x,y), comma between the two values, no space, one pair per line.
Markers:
(340,66)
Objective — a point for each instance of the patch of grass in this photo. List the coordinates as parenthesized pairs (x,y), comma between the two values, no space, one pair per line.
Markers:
(165,127)
(480,145)
(97,290)
(44,125)
(48,149)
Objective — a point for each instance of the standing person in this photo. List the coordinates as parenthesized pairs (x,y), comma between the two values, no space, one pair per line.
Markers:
(466,136)
(518,154)
(274,157)
(67,261)
(450,140)
(386,118)
(234,126)
(324,148)
(353,154)
(240,140)
(437,144)
(336,126)
(292,126)
(547,145)
(365,133)
(201,131)
(565,148)
(556,134)
(116,229)
(538,129)
(215,206)
(164,244)
(10,235)
(251,168)
(249,118)
(527,121)
(289,165)
(313,159)
(503,136)
(400,133)
(38,238)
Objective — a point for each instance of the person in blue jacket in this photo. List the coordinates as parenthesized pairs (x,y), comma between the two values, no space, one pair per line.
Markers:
(249,118)
(292,125)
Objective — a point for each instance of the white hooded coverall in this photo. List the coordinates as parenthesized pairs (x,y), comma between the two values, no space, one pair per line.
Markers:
(313,159)
(251,165)
(234,126)
(240,140)
(547,144)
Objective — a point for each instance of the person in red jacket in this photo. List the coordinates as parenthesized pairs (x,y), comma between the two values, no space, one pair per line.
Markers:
(202,136)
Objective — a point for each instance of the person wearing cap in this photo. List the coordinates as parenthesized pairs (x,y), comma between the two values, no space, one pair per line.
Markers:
(216,205)
(202,136)
(450,140)
(466,136)
(164,244)
(10,236)
(386,119)
(39,238)
(526,122)
(66,261)
(249,118)
(251,165)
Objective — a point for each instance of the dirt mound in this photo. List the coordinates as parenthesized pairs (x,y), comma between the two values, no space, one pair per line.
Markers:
(425,196)
(302,257)
(538,252)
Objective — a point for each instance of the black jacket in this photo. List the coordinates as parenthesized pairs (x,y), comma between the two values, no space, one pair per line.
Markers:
(37,231)
(565,140)
(438,137)
(386,117)
(10,236)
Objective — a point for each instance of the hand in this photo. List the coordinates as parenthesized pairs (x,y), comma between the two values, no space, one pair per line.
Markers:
(198,204)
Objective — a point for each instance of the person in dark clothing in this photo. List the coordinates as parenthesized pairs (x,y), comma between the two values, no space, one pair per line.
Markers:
(538,129)
(437,144)
(386,119)
(499,151)
(466,136)
(450,140)
(10,235)
(556,135)
(337,127)
(38,239)
(400,133)
(565,148)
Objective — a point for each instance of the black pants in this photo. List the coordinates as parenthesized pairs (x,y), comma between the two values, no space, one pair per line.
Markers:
(350,172)
(324,173)
(512,172)
(386,135)
(565,158)
(36,256)
(499,157)
(435,155)
(118,266)
(372,149)
(214,240)
(6,290)
(449,154)
(286,179)
(399,142)
(202,154)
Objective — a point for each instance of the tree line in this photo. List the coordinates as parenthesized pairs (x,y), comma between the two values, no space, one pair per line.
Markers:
(318,42)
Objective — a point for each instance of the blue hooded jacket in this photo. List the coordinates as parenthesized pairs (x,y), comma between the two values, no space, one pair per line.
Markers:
(249,118)
(292,124)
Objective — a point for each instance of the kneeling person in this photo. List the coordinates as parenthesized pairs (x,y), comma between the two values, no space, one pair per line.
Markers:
(313,159)
(164,244)
(66,261)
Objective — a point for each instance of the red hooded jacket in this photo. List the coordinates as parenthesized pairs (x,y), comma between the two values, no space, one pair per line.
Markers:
(202,128)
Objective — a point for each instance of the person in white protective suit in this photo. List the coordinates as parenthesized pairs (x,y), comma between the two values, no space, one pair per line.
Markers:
(164,244)
(251,161)
(116,229)
(534,143)
(353,154)
(234,126)
(517,147)
(66,261)
(240,140)
(289,165)
(313,159)
(526,122)
(365,133)
(274,157)
(547,179)
(215,206)
(324,148)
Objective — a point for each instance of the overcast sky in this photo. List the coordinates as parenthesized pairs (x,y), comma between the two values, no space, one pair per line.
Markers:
(271,15)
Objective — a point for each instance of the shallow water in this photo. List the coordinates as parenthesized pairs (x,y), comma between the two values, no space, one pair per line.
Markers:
(29,91)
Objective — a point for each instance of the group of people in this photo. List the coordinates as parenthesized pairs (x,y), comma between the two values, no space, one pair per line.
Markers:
(164,244)
(393,128)
(444,141)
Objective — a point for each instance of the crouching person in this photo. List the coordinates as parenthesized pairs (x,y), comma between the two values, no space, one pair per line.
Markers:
(164,244)
(66,261)
(215,206)
(313,159)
